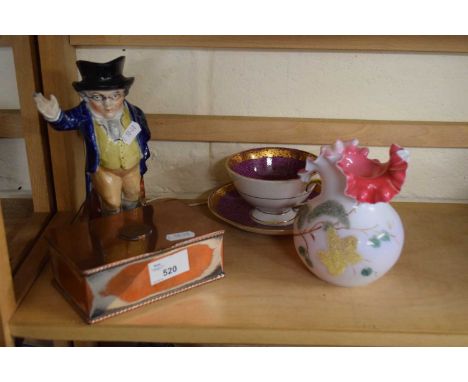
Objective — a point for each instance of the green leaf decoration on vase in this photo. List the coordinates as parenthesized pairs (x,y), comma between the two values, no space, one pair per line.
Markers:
(302,216)
(376,240)
(330,208)
(304,255)
(366,271)
(384,236)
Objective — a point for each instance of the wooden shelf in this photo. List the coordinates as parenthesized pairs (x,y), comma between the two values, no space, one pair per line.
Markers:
(432,44)
(11,125)
(22,226)
(269,297)
(224,128)
(210,128)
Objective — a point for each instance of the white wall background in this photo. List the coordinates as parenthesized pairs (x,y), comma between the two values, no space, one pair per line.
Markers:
(430,87)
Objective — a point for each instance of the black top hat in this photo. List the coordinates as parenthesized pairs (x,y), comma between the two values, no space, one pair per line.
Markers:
(105,76)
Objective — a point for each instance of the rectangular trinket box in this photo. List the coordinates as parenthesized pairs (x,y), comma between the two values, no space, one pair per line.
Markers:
(113,264)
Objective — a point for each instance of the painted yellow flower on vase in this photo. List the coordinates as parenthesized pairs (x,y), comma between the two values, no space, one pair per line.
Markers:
(341,252)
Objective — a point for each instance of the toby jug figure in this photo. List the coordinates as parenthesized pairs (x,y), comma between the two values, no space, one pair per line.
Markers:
(115,132)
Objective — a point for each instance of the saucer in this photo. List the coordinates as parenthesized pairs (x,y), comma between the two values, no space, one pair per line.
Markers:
(226,203)
(273,219)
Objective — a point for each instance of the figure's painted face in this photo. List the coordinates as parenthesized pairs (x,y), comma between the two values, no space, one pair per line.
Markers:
(106,103)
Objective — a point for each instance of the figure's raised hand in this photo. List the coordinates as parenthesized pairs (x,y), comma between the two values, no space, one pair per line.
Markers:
(49,108)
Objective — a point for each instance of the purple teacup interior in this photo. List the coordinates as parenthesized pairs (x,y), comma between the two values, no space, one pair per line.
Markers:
(269,168)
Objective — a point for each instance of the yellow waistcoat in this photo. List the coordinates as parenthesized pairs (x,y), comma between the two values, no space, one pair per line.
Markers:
(117,155)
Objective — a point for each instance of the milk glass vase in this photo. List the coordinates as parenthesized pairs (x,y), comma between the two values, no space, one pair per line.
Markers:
(350,235)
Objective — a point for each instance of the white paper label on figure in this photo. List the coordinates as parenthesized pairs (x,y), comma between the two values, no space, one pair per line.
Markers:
(170,266)
(131,132)
(180,235)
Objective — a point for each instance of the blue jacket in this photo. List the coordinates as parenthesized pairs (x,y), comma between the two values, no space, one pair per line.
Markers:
(79,118)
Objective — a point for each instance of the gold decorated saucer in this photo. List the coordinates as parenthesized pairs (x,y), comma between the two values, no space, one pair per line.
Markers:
(226,203)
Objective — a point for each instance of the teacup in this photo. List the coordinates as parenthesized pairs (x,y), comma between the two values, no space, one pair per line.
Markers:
(267,179)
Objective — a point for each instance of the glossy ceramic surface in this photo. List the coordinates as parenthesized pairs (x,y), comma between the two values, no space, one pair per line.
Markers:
(369,180)
(227,204)
(349,235)
(267,179)
(268,163)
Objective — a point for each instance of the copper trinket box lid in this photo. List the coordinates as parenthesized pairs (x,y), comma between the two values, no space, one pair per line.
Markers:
(110,241)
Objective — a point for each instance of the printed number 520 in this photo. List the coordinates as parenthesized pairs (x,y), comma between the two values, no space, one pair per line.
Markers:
(169,266)
(169,271)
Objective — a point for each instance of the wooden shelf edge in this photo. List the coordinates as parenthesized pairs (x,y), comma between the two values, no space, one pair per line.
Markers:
(210,128)
(426,44)
(6,41)
(11,124)
(194,335)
